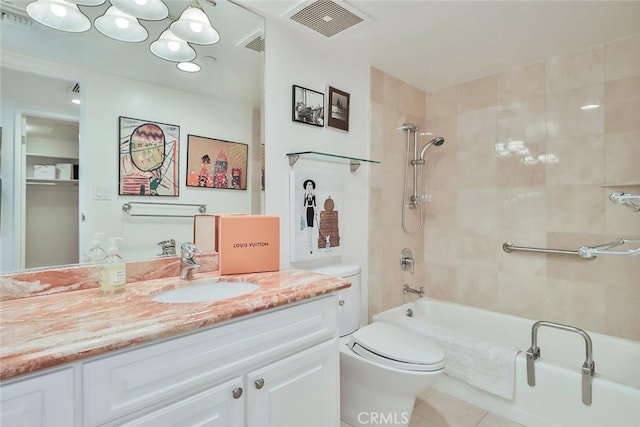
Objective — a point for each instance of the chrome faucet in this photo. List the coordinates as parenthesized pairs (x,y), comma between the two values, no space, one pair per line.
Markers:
(187,263)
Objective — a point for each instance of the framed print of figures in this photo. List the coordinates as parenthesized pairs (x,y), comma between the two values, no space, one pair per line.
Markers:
(214,163)
(307,106)
(148,158)
(338,109)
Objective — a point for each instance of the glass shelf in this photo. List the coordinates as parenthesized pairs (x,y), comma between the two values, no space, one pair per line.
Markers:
(354,162)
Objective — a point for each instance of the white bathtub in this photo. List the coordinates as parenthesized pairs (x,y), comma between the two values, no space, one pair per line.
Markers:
(556,398)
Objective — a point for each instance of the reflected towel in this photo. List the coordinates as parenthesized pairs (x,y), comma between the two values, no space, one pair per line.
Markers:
(483,364)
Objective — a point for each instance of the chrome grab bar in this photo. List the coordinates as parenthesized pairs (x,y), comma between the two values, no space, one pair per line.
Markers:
(585,252)
(406,289)
(588,367)
(128,206)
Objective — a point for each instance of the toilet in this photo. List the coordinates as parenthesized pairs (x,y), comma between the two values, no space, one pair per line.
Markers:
(383,367)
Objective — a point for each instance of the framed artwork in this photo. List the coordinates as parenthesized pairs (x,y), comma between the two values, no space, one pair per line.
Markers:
(215,163)
(307,106)
(148,158)
(316,212)
(339,109)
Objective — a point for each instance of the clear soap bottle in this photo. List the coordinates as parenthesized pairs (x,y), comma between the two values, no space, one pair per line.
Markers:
(96,253)
(114,270)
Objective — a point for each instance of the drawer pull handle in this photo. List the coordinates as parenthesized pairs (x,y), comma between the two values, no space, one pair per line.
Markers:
(259,383)
(237,392)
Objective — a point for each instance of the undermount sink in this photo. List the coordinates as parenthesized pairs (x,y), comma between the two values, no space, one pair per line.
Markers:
(206,292)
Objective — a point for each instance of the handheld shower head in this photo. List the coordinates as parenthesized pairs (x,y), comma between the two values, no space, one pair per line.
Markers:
(437,141)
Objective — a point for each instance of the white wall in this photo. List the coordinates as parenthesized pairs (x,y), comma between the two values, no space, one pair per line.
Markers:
(314,63)
(105,98)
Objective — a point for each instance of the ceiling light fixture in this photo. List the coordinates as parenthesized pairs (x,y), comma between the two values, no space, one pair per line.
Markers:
(172,48)
(194,26)
(59,14)
(152,10)
(188,67)
(121,26)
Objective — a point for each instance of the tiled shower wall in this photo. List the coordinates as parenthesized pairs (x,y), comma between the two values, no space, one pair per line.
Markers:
(523,163)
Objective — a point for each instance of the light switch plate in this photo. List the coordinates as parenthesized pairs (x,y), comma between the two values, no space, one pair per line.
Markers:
(101,192)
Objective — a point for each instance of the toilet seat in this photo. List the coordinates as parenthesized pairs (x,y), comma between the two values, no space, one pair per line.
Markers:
(397,347)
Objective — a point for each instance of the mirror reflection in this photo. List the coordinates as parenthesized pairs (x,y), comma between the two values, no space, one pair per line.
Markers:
(60,159)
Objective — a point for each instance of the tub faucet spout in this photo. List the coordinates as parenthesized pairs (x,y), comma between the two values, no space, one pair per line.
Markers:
(187,262)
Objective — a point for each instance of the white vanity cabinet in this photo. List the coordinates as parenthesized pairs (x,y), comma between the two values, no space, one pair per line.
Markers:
(205,377)
(42,400)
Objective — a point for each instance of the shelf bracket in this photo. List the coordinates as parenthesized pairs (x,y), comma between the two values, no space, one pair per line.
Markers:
(354,165)
(293,158)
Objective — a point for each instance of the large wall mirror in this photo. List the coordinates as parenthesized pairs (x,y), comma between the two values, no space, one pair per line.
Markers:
(51,219)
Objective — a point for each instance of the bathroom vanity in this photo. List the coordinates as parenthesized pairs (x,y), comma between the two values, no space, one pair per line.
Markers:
(268,358)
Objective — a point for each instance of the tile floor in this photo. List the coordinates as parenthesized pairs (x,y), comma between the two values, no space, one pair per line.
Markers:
(436,409)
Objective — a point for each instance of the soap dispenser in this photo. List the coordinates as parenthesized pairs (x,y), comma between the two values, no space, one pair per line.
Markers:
(114,274)
(96,253)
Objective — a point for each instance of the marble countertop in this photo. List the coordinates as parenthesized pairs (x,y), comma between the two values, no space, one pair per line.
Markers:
(44,331)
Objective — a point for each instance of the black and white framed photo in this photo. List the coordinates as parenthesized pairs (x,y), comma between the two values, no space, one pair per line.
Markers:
(307,106)
(339,109)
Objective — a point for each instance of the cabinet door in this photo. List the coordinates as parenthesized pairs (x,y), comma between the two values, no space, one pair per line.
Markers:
(221,406)
(300,390)
(45,400)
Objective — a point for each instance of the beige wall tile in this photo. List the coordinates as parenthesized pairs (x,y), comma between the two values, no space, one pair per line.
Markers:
(575,208)
(442,102)
(565,118)
(622,157)
(442,282)
(576,70)
(522,120)
(477,162)
(478,93)
(525,168)
(622,109)
(576,303)
(522,83)
(376,79)
(512,288)
(580,160)
(622,58)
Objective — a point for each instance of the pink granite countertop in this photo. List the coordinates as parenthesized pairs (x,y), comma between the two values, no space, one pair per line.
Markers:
(44,331)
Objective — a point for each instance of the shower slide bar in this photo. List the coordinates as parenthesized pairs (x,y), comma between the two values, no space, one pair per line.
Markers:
(586,252)
(127,207)
(588,367)
(630,200)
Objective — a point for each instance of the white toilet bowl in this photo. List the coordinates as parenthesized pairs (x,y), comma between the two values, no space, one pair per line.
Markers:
(382,369)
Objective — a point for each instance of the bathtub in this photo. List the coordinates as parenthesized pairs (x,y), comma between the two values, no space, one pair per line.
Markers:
(555,401)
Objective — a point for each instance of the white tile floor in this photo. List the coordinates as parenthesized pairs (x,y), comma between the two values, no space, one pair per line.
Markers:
(436,409)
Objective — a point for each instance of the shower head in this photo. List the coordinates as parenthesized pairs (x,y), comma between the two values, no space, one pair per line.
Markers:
(437,141)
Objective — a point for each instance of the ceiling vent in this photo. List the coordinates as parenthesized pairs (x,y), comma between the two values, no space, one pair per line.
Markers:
(326,17)
(254,41)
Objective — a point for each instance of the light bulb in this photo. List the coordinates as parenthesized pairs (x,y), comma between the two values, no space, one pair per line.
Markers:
(122,23)
(173,46)
(141,2)
(58,10)
(195,27)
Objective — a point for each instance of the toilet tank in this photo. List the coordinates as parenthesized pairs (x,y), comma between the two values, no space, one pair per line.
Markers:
(349,311)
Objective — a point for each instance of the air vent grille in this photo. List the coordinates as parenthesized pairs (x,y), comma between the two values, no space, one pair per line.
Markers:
(256,44)
(326,17)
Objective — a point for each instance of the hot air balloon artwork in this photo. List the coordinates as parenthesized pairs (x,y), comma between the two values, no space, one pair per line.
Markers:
(148,158)
(215,163)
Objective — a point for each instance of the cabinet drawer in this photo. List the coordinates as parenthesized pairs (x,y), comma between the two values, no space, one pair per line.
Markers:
(134,379)
(45,400)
